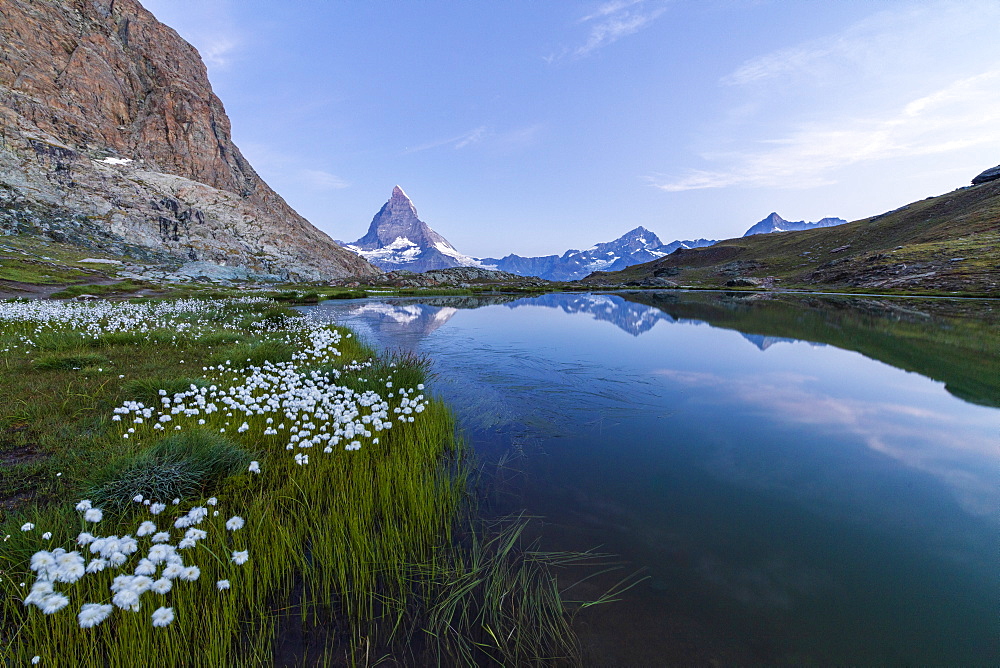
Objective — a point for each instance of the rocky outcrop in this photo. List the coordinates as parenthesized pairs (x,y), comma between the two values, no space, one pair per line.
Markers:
(991,174)
(398,239)
(107,113)
(456,277)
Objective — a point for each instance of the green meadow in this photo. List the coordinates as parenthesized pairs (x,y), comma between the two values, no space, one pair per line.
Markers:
(266,490)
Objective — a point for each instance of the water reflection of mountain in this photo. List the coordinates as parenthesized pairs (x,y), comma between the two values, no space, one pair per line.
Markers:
(411,316)
(628,316)
(420,317)
(956,342)
(394,319)
(765,342)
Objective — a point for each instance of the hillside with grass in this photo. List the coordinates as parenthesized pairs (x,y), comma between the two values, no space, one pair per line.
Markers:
(948,244)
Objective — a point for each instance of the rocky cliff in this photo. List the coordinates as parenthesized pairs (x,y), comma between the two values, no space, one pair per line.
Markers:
(110,132)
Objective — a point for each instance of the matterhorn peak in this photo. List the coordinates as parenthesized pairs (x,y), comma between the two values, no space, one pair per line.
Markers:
(398,239)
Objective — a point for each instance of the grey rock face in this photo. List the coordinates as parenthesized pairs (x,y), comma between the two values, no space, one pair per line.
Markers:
(991,174)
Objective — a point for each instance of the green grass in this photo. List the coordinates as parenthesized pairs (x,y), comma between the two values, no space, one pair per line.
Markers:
(357,552)
(126,286)
(147,390)
(254,353)
(38,272)
(71,361)
(186,464)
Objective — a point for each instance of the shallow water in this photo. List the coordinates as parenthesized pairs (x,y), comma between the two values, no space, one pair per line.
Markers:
(803,479)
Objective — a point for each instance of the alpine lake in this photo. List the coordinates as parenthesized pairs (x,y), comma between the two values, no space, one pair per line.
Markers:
(783,478)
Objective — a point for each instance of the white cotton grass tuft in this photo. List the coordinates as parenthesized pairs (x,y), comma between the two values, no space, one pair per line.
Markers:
(93,515)
(161,586)
(127,599)
(241,557)
(92,614)
(235,522)
(163,616)
(27,526)
(53,603)
(254,467)
(222,585)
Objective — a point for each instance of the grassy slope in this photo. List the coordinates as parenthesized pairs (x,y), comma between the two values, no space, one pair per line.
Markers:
(944,244)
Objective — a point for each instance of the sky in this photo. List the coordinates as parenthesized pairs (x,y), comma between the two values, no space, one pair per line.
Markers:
(533,127)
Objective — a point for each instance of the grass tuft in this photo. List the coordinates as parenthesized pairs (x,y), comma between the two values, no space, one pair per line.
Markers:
(147,390)
(70,361)
(255,353)
(179,466)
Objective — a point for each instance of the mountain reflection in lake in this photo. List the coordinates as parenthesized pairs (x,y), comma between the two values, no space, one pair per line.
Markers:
(805,479)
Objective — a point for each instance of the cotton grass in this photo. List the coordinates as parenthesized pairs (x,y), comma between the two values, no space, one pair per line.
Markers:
(365,488)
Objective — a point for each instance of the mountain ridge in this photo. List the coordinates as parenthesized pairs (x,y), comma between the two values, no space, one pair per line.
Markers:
(946,244)
(774,223)
(110,131)
(634,247)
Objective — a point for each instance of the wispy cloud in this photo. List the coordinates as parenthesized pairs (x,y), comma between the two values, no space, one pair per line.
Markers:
(463,140)
(322,180)
(610,22)
(887,39)
(963,114)
(608,9)
(208,25)
(518,138)
(217,50)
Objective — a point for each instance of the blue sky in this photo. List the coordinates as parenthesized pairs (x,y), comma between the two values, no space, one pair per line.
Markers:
(534,127)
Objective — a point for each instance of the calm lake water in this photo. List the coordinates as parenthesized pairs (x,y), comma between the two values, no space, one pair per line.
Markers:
(803,479)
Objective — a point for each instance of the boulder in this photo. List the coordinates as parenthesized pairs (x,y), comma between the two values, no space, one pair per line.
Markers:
(991,174)
(744,282)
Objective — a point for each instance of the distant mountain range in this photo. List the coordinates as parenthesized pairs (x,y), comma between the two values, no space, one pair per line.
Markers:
(944,245)
(398,239)
(634,247)
(775,223)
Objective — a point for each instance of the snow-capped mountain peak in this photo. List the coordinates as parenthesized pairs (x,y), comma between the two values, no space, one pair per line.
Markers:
(398,239)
